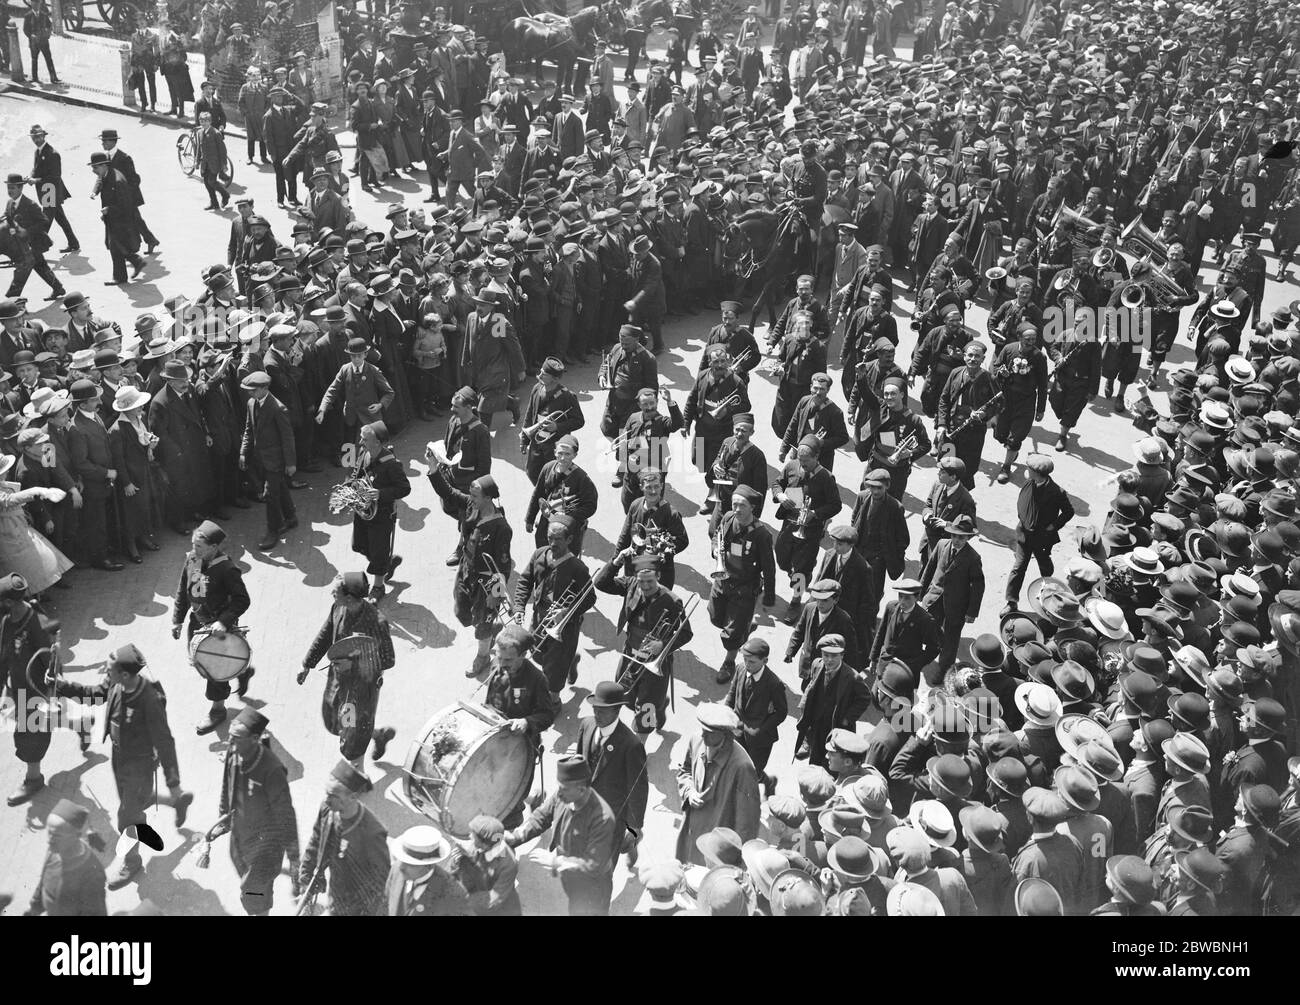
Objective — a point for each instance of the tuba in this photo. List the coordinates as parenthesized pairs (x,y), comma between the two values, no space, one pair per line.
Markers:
(1140,242)
(1086,234)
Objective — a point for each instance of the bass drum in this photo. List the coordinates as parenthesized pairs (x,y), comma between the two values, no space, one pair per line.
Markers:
(466,762)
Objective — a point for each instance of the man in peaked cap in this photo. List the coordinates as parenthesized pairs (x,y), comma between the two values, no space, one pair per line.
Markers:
(1049,854)
(584,840)
(256,810)
(347,852)
(717,783)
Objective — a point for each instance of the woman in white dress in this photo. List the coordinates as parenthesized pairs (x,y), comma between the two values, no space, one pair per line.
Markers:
(22,549)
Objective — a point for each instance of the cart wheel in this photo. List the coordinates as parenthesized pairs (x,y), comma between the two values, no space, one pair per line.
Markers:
(74,15)
(120,15)
(185,153)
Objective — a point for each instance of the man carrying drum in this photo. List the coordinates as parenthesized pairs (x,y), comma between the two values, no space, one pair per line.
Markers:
(518,691)
(210,597)
(356,639)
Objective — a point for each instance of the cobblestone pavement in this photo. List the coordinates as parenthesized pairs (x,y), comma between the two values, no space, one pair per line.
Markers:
(289,586)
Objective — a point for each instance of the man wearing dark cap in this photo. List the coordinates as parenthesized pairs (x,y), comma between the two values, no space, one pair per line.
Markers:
(746,568)
(584,838)
(136,724)
(757,696)
(72,882)
(374,532)
(737,339)
(844,564)
(356,638)
(618,765)
(552,412)
(210,597)
(268,450)
(558,584)
(807,497)
(626,370)
(347,852)
(835,698)
(720,392)
(653,624)
(256,810)
(519,692)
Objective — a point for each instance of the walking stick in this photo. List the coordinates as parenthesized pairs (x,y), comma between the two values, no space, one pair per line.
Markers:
(119,532)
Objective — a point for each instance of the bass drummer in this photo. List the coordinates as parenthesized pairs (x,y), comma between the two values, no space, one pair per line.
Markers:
(210,597)
(518,691)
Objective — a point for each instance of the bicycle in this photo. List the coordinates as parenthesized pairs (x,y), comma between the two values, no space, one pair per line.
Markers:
(187,155)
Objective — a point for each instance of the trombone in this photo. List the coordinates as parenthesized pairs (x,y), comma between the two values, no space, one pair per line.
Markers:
(657,646)
(559,614)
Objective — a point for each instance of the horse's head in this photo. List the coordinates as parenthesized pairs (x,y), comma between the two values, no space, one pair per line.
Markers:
(735,242)
(612,23)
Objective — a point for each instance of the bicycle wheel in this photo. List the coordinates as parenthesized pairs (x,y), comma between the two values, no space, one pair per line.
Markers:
(185,153)
(227,172)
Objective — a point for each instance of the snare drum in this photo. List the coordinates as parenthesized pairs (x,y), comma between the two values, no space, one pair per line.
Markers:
(466,761)
(220,659)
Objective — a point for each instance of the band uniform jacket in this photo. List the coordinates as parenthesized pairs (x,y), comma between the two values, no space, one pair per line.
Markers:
(882,531)
(664,516)
(388,477)
(135,724)
(543,581)
(71,886)
(209,592)
(526,697)
(820,493)
(801,357)
(707,408)
(646,439)
(355,857)
(358,389)
(857,590)
(743,465)
(911,638)
(562,405)
(821,418)
(572,493)
(584,833)
(629,371)
(953,582)
(263,826)
(760,703)
(268,438)
(92,456)
(440,896)
(739,342)
(618,773)
(812,627)
(961,395)
(748,561)
(638,616)
(473,442)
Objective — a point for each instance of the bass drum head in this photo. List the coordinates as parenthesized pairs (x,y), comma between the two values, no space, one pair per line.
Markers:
(465,762)
(492,779)
(221,659)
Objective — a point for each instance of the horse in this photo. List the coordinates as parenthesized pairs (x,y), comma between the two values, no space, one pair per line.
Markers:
(764,243)
(560,39)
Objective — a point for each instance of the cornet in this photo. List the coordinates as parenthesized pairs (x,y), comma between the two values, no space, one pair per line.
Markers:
(543,434)
(716,411)
(907,443)
(740,358)
(802,521)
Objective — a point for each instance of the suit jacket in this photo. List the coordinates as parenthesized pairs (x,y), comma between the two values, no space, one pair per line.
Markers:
(760,703)
(92,457)
(32,219)
(847,696)
(912,639)
(268,436)
(441,897)
(953,583)
(465,156)
(284,383)
(812,628)
(890,522)
(123,163)
(857,590)
(1054,511)
(618,767)
(47,176)
(358,391)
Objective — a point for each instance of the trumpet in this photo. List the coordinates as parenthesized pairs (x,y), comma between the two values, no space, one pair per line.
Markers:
(657,646)
(741,357)
(543,434)
(907,443)
(560,613)
(802,521)
(602,375)
(719,572)
(730,401)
